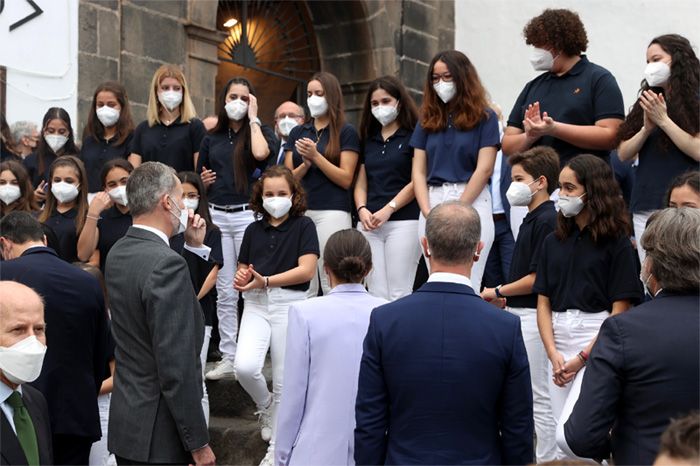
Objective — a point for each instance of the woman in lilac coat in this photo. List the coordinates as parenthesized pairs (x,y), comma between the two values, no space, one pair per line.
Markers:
(324,345)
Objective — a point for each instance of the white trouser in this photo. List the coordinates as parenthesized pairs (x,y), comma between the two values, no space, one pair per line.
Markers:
(203,358)
(573,331)
(639,220)
(263,327)
(232,226)
(327,222)
(99,455)
(545,424)
(482,204)
(395,256)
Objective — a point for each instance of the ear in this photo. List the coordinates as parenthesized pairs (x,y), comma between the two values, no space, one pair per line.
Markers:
(45,241)
(424,245)
(479,248)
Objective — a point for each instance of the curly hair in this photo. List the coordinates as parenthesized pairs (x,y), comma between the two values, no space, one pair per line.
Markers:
(26,202)
(606,207)
(298,193)
(557,28)
(469,105)
(681,93)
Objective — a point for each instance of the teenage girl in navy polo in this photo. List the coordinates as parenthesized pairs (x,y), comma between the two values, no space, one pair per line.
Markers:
(323,154)
(172,133)
(586,272)
(277,261)
(108,132)
(66,204)
(663,127)
(455,145)
(231,159)
(384,196)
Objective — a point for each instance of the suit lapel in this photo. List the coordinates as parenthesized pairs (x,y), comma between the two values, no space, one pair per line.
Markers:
(10,448)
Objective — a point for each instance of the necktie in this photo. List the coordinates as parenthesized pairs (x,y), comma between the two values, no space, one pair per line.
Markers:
(25,429)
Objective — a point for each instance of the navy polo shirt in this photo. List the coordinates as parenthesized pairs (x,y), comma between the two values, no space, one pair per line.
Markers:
(173,145)
(63,224)
(388,167)
(585,94)
(535,227)
(112,225)
(274,250)
(96,152)
(31,163)
(200,271)
(658,165)
(578,274)
(322,193)
(452,153)
(216,154)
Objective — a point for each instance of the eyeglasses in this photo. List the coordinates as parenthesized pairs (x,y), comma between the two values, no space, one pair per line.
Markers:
(447,77)
(290,115)
(190,196)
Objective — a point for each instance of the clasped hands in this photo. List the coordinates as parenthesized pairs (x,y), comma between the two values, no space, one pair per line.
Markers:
(372,221)
(537,123)
(248,279)
(654,106)
(564,371)
(307,149)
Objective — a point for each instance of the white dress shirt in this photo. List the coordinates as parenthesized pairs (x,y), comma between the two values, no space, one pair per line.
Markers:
(9,411)
(450,278)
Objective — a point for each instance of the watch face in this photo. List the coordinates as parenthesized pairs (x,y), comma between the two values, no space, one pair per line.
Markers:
(392,204)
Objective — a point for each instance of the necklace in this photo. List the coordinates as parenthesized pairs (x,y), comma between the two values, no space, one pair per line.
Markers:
(230,137)
(319,133)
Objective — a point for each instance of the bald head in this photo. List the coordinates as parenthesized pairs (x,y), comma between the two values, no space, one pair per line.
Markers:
(21,313)
(453,231)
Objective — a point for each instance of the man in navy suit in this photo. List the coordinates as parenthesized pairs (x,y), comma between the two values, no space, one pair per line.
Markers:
(76,335)
(444,377)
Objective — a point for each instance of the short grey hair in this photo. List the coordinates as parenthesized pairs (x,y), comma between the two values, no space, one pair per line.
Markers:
(672,241)
(21,129)
(147,184)
(453,230)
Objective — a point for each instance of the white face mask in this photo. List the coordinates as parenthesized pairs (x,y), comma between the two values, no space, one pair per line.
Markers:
(236,109)
(55,141)
(519,193)
(446,90)
(276,206)
(118,195)
(64,192)
(385,114)
(9,193)
(285,125)
(541,59)
(318,105)
(21,362)
(191,204)
(657,73)
(170,99)
(183,218)
(570,206)
(108,116)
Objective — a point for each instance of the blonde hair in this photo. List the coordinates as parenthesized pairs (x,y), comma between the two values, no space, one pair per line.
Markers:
(187,111)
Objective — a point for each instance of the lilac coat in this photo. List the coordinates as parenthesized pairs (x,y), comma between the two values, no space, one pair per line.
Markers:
(316,417)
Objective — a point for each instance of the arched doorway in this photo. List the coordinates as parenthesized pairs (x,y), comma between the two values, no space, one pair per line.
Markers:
(272,44)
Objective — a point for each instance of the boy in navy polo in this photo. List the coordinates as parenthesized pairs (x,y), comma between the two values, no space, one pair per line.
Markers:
(535,174)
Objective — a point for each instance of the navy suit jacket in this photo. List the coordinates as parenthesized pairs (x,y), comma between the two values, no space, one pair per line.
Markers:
(11,452)
(76,338)
(444,379)
(643,371)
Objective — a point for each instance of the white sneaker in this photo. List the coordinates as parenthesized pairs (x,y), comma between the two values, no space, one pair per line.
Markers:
(265,420)
(223,369)
(269,459)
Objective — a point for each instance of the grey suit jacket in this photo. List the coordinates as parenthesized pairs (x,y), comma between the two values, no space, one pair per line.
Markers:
(156,412)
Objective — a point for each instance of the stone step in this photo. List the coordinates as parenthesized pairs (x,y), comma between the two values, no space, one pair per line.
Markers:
(228,399)
(236,440)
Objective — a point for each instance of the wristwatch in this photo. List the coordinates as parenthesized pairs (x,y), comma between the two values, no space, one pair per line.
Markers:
(256,121)
(497,290)
(392,204)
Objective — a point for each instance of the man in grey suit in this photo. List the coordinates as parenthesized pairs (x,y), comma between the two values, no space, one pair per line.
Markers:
(156,413)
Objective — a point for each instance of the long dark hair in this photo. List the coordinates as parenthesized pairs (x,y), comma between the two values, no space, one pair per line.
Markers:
(336,113)
(469,105)
(43,150)
(112,164)
(690,178)
(26,202)
(408,112)
(203,207)
(607,216)
(125,124)
(242,156)
(681,94)
(81,202)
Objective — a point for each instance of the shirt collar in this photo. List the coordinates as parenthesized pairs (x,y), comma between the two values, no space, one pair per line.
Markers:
(349,288)
(450,278)
(399,132)
(6,391)
(284,226)
(156,231)
(575,70)
(546,205)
